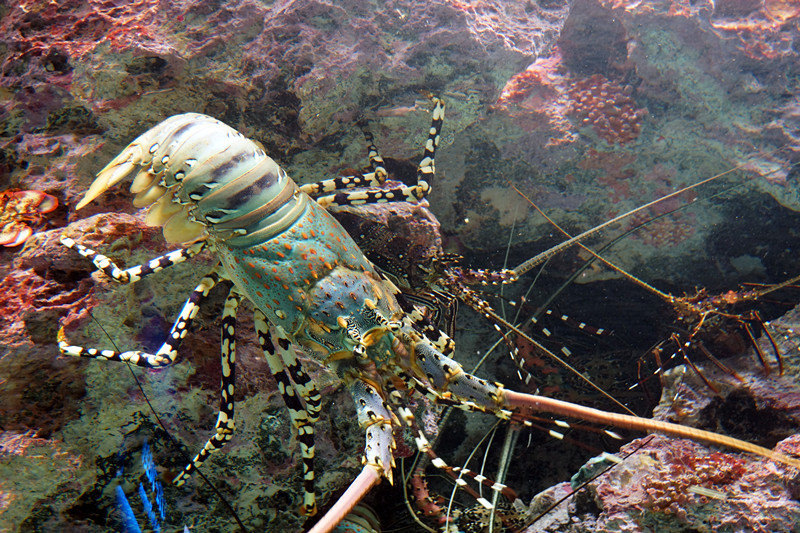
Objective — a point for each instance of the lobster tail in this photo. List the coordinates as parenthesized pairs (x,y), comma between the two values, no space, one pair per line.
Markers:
(200,175)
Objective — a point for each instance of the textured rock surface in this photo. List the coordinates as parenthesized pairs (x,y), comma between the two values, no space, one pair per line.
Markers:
(655,488)
(79,80)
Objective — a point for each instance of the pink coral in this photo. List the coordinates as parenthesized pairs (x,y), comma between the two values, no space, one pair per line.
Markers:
(671,493)
(607,107)
(534,85)
(540,89)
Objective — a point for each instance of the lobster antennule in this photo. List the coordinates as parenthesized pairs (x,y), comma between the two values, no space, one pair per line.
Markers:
(368,478)
(535,403)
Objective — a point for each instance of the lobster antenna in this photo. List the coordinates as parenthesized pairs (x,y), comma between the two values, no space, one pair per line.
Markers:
(172,439)
(539,258)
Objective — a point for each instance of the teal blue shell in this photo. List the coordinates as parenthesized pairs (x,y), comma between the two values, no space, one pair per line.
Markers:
(306,277)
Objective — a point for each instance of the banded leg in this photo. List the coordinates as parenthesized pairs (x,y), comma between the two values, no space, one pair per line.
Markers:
(169,350)
(376,419)
(369,179)
(409,193)
(378,459)
(457,473)
(293,384)
(375,160)
(427,169)
(225,419)
(135,273)
(419,321)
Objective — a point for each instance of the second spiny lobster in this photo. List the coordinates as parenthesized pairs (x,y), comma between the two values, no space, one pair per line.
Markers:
(311,288)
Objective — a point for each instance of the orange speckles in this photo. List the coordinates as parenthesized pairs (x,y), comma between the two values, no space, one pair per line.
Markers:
(340,305)
(268,306)
(286,288)
(275,301)
(264,248)
(259,294)
(304,235)
(291,270)
(278,279)
(280,254)
(312,250)
(265,286)
(338,239)
(298,308)
(291,298)
(287,246)
(251,265)
(344,247)
(236,259)
(274,270)
(328,246)
(307,281)
(331,234)
(257,274)
(314,273)
(328,265)
(304,257)
(313,234)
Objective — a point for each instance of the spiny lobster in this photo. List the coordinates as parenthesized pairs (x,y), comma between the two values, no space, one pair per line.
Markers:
(311,287)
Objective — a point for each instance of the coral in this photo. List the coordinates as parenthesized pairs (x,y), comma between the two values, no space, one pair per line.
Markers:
(673,486)
(539,82)
(545,87)
(607,107)
(20,209)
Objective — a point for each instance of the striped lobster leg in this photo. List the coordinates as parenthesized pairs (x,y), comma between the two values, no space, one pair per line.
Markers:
(169,350)
(425,172)
(377,421)
(300,396)
(225,420)
(135,273)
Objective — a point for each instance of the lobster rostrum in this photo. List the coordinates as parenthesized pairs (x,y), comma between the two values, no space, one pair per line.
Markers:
(311,287)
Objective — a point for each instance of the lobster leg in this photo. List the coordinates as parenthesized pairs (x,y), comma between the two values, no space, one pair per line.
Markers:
(293,384)
(376,419)
(375,159)
(421,321)
(370,179)
(135,273)
(169,350)
(457,473)
(225,420)
(413,193)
